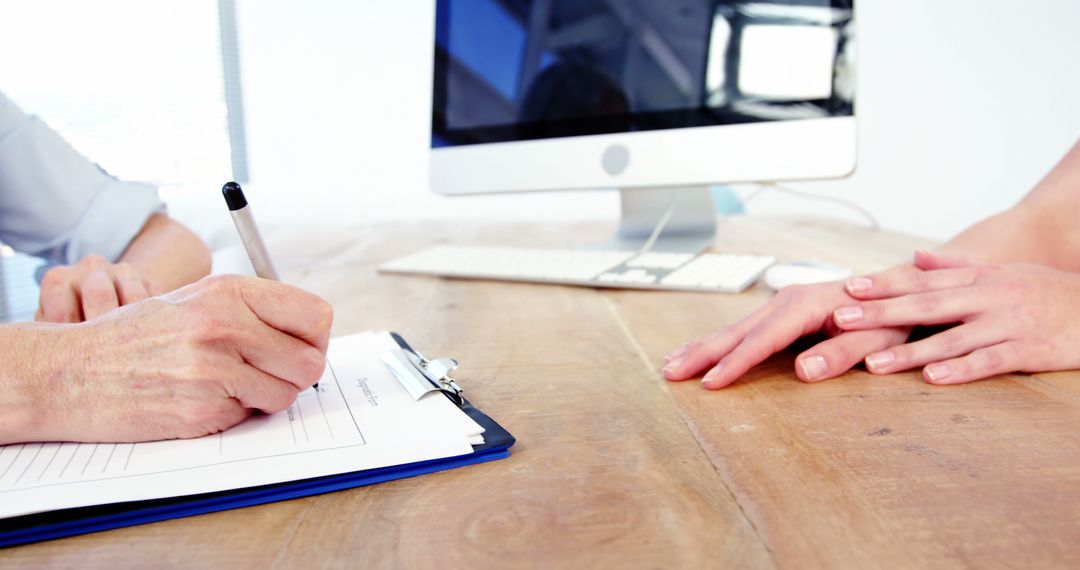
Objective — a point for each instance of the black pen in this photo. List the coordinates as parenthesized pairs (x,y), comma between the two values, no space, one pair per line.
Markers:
(249,233)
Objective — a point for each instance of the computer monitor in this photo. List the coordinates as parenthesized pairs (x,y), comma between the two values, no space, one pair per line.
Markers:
(656,98)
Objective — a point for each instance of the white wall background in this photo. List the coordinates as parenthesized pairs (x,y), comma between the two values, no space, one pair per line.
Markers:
(963,105)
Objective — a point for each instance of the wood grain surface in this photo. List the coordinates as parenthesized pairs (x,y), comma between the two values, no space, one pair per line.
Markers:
(616,468)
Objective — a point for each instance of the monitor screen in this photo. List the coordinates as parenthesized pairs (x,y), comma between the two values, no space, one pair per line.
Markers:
(512,70)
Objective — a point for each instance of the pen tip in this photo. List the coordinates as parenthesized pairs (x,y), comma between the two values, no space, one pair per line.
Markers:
(234,196)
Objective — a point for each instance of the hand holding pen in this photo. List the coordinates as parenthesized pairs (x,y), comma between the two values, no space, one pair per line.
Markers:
(249,233)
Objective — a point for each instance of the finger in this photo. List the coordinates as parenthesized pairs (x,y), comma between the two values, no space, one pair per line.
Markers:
(59,302)
(78,274)
(690,360)
(677,353)
(87,265)
(152,288)
(931,308)
(837,355)
(767,338)
(129,284)
(258,390)
(886,285)
(982,363)
(951,343)
(97,293)
(286,308)
(931,260)
(284,357)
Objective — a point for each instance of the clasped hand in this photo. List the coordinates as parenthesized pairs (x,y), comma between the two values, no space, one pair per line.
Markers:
(92,287)
(1002,318)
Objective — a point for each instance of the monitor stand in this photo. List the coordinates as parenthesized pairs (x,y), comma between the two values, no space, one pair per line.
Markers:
(690,219)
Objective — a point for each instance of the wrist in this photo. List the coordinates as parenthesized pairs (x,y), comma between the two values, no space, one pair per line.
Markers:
(1022,234)
(32,381)
(19,375)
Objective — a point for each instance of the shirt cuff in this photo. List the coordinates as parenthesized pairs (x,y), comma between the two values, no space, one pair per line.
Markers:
(116,215)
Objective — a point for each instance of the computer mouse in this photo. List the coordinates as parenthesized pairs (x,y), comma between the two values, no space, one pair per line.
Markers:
(803,273)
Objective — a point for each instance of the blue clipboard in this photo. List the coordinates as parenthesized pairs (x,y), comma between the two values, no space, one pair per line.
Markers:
(71,522)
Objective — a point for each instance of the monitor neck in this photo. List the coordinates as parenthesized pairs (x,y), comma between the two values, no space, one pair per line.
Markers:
(686,216)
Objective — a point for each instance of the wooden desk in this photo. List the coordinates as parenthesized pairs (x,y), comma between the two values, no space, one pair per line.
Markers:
(616,468)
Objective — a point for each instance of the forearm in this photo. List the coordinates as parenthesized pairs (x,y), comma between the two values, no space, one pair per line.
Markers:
(1017,235)
(1040,229)
(168,254)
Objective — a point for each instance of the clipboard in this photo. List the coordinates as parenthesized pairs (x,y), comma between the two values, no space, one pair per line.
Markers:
(420,378)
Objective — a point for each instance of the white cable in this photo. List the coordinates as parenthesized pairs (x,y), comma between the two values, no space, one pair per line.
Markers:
(763,186)
(659,227)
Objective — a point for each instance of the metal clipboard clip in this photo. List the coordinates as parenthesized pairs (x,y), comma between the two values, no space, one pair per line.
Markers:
(420,376)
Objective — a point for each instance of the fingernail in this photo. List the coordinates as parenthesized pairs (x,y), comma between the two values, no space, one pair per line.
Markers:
(845,315)
(679,353)
(859,284)
(673,365)
(813,367)
(880,360)
(712,374)
(937,372)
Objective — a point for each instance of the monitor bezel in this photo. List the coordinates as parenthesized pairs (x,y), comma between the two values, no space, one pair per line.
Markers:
(778,150)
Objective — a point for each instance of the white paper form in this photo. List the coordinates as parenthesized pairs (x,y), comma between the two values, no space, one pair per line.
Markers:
(359,418)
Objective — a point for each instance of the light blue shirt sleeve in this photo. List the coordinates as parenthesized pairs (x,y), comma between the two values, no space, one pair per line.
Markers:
(56,204)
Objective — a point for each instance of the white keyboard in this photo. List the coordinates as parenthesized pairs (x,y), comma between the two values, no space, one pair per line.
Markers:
(593,268)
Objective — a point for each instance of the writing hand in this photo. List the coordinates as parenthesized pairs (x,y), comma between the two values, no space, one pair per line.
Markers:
(794,312)
(90,288)
(1008,318)
(186,364)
